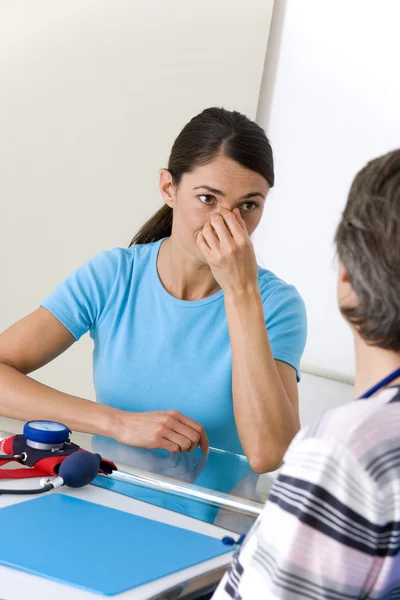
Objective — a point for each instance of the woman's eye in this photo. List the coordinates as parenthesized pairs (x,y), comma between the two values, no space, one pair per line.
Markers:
(206,198)
(249,206)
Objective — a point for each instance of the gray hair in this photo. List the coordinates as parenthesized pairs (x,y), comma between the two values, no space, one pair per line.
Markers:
(368,244)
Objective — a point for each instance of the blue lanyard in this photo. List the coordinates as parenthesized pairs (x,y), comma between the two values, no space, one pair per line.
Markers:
(381,384)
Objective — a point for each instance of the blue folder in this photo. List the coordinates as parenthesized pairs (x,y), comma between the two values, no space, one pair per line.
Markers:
(94,547)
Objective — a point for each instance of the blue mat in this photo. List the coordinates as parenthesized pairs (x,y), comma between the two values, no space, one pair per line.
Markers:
(94,547)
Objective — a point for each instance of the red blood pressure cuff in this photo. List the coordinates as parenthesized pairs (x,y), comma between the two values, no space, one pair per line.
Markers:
(42,462)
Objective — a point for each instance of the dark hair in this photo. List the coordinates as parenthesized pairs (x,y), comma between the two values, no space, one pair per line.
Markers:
(368,244)
(210,133)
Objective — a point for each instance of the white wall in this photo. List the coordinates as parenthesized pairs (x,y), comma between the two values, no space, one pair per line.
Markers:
(319,394)
(329,102)
(93,93)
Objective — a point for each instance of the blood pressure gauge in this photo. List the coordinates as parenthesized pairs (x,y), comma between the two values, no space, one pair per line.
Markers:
(46,435)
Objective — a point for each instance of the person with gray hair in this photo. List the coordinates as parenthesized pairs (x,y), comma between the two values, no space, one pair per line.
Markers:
(331,525)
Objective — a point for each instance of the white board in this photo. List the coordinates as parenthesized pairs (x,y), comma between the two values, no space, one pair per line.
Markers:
(330,102)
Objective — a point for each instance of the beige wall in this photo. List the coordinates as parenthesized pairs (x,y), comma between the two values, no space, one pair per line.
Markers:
(93,93)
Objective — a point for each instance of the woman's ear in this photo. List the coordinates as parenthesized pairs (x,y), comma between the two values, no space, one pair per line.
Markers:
(167,187)
(346,296)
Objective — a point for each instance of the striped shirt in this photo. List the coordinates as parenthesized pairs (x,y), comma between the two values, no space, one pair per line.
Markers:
(331,526)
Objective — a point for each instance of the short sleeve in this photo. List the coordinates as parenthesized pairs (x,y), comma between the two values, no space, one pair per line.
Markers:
(286,320)
(79,301)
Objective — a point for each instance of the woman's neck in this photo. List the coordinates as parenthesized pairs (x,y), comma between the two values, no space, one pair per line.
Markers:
(182,274)
(372,365)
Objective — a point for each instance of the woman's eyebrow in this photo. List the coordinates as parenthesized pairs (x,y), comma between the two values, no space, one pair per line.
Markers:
(253,195)
(219,193)
(209,189)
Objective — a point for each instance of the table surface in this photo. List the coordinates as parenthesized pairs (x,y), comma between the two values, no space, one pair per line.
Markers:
(220,490)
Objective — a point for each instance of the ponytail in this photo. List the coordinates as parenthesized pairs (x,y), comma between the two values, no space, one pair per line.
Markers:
(157,227)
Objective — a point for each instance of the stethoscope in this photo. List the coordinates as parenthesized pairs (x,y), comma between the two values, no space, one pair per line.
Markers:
(382,383)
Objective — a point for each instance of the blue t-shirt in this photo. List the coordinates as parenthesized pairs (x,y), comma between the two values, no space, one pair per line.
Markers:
(153,351)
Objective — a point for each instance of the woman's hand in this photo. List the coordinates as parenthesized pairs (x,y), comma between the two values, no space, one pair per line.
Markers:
(228,250)
(165,429)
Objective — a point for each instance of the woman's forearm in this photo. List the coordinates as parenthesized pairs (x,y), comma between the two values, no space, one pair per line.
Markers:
(24,398)
(265,418)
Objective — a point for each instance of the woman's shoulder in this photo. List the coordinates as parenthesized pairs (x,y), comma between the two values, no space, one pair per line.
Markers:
(270,283)
(107,267)
(280,298)
(124,256)
(131,252)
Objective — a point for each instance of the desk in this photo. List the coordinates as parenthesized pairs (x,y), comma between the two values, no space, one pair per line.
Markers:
(220,488)
(157,486)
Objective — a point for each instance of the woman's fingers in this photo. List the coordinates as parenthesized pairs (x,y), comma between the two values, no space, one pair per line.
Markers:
(235,228)
(204,443)
(183,432)
(170,446)
(239,217)
(210,236)
(221,230)
(204,247)
(199,429)
(166,429)
(189,437)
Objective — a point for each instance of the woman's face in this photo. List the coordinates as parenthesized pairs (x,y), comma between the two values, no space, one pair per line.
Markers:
(222,183)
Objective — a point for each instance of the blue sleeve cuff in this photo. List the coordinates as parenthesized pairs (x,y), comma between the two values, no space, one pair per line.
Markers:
(64,318)
(289,360)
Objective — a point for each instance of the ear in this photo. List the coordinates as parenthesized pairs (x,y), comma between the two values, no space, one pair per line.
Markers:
(167,187)
(347,297)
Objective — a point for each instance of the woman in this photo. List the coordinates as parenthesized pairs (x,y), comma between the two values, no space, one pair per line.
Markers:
(192,340)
